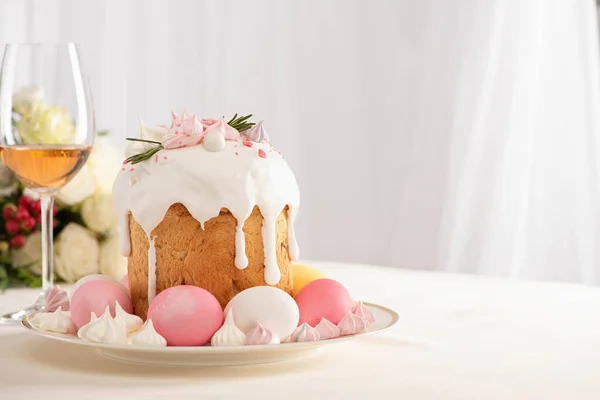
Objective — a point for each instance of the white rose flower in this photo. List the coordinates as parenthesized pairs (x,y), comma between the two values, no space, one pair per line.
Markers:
(8,182)
(112,263)
(76,253)
(98,213)
(26,98)
(104,164)
(78,189)
(30,255)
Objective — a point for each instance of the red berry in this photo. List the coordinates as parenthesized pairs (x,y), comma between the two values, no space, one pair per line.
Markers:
(22,213)
(38,219)
(18,241)
(28,224)
(25,201)
(12,226)
(9,211)
(36,207)
(54,209)
(54,223)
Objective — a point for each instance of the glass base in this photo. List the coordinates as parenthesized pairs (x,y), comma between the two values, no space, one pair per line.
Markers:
(14,318)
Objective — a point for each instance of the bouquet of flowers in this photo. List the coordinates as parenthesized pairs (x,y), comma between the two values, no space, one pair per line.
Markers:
(85,236)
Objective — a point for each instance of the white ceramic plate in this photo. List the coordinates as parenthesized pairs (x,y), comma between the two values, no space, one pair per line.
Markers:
(219,355)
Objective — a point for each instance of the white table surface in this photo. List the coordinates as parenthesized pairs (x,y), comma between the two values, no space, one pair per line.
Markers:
(459,337)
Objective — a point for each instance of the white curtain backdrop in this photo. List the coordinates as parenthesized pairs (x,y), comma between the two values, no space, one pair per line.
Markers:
(448,135)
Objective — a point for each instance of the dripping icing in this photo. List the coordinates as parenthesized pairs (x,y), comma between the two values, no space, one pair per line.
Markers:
(151,270)
(292,244)
(241,260)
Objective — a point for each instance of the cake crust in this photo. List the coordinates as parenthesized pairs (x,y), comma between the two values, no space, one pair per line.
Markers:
(186,254)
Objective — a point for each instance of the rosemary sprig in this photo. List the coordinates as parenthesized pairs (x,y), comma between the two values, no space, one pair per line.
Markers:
(138,158)
(241,123)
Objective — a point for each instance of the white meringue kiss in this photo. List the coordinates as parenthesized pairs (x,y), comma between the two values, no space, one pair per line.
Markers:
(261,335)
(214,141)
(132,322)
(147,336)
(351,324)
(57,321)
(327,329)
(363,311)
(104,330)
(229,334)
(305,333)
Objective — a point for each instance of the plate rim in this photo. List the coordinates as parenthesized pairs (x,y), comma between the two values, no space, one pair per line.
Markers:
(210,349)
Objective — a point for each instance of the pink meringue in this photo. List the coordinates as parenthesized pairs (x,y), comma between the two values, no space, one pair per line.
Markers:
(351,324)
(56,298)
(363,311)
(220,125)
(185,131)
(305,333)
(327,329)
(256,133)
(261,335)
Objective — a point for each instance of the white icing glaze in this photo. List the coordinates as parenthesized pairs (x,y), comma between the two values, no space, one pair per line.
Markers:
(236,178)
(151,270)
(132,322)
(305,333)
(327,329)
(104,330)
(261,335)
(56,321)
(229,334)
(147,336)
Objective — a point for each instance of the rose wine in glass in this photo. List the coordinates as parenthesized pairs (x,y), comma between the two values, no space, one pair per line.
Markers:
(46,131)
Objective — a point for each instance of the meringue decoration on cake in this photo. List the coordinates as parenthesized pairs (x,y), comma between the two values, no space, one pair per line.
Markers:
(261,335)
(147,336)
(233,207)
(95,296)
(58,321)
(363,311)
(305,333)
(256,133)
(186,315)
(56,298)
(131,321)
(327,329)
(323,298)
(104,329)
(275,309)
(228,334)
(351,324)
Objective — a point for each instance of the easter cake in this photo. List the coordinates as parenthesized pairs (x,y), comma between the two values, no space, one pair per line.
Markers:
(203,204)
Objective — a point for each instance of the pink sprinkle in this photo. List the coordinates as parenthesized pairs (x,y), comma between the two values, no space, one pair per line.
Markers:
(165,157)
(131,170)
(177,132)
(236,153)
(247,143)
(261,153)
(125,162)
(122,169)
(156,158)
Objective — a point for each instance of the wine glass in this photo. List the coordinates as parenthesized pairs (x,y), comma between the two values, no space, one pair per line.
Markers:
(47,130)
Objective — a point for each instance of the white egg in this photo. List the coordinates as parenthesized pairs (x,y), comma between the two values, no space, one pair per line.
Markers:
(96,277)
(273,308)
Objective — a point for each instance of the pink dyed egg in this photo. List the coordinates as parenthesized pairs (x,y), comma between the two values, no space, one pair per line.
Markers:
(94,296)
(186,315)
(96,277)
(323,298)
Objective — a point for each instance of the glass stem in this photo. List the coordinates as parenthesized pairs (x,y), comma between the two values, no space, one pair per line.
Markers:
(47,203)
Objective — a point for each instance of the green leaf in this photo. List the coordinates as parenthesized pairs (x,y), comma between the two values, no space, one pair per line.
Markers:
(3,278)
(31,280)
(102,133)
